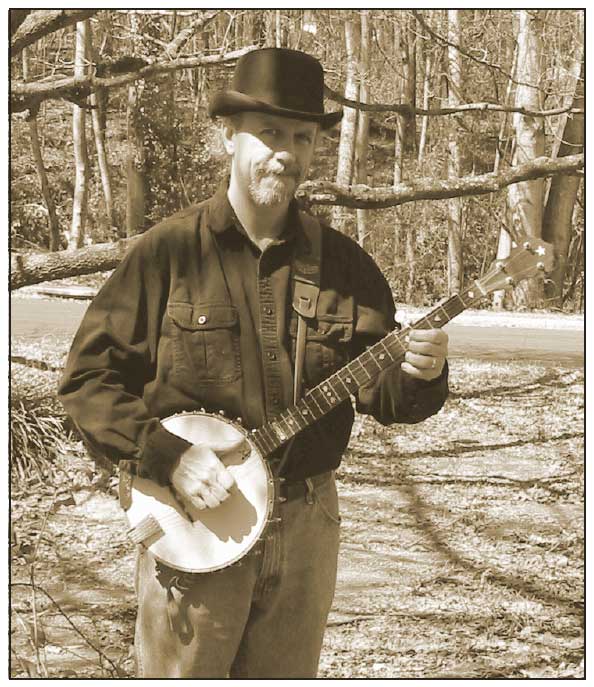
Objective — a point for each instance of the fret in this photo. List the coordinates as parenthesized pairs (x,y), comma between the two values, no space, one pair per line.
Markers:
(287,427)
(369,355)
(261,442)
(271,437)
(295,415)
(330,390)
(321,395)
(358,362)
(460,297)
(297,409)
(385,347)
(396,339)
(339,377)
(309,396)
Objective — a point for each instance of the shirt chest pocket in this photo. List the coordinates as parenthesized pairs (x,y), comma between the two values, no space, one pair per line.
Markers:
(205,340)
(328,345)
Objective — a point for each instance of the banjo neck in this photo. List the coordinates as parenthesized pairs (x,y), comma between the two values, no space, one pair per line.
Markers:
(336,388)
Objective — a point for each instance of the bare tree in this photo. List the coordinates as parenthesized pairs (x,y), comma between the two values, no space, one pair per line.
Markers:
(97,101)
(455,205)
(81,159)
(557,220)
(526,199)
(348,127)
(48,199)
(362,144)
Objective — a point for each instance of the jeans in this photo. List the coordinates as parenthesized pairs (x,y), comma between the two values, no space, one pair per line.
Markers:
(262,618)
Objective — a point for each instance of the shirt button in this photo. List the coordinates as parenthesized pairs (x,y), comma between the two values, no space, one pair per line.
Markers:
(268,311)
(202,319)
(272,356)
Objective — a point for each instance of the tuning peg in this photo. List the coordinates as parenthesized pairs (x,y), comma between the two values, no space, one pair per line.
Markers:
(540,266)
(222,412)
(526,245)
(510,281)
(239,420)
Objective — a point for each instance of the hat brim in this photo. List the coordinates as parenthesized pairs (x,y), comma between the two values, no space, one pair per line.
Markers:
(227,103)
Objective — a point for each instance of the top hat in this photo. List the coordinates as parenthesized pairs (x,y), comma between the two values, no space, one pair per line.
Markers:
(283,82)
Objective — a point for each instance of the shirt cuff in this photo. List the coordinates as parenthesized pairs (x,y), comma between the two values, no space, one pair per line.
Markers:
(425,398)
(161,452)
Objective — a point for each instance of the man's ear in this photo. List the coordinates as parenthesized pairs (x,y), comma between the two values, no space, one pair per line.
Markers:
(228,136)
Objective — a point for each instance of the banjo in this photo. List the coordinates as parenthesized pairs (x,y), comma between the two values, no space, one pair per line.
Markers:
(206,540)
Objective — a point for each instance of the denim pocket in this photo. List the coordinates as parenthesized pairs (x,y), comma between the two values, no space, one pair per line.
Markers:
(205,342)
(326,499)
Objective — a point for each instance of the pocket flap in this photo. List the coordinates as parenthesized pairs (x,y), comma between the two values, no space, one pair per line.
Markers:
(330,329)
(203,316)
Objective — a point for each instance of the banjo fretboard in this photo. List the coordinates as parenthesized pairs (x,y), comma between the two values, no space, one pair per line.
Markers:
(335,389)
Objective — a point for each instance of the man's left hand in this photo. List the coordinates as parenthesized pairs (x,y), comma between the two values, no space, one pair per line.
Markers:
(426,354)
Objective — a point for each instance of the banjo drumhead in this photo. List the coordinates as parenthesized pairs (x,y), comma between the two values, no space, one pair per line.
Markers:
(219,536)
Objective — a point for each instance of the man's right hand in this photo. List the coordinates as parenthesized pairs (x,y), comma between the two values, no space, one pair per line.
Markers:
(200,479)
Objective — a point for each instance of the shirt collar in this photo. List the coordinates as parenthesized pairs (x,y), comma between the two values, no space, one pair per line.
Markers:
(222,217)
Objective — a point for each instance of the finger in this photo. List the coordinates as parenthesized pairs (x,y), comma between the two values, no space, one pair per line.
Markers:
(218,491)
(422,362)
(225,479)
(209,498)
(198,502)
(427,348)
(414,371)
(436,336)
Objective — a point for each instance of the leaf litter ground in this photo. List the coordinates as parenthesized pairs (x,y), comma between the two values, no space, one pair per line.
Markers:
(461,556)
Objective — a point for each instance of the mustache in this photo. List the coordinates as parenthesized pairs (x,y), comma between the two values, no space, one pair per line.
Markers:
(279,169)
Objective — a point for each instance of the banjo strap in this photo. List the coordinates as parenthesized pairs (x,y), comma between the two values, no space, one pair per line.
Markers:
(306,289)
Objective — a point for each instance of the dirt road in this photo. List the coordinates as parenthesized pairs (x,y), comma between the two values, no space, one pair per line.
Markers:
(36,318)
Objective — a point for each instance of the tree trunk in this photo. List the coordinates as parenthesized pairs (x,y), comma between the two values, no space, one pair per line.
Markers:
(504,244)
(426,94)
(526,199)
(348,127)
(81,159)
(135,156)
(362,146)
(409,63)
(98,120)
(279,29)
(557,221)
(455,207)
(54,230)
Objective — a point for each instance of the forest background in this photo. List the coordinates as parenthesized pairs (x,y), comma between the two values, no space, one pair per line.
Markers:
(444,110)
(463,129)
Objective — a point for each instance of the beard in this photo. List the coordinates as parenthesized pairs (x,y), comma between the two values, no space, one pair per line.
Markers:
(273,185)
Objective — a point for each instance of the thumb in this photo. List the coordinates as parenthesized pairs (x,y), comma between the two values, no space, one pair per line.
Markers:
(223,447)
(228,446)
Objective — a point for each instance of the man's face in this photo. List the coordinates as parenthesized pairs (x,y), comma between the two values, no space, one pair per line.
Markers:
(271,156)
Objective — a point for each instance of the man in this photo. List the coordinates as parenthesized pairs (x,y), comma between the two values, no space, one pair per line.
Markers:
(199,315)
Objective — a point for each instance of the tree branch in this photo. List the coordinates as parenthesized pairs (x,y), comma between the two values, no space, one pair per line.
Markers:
(43,22)
(35,268)
(359,196)
(173,48)
(24,95)
(407,110)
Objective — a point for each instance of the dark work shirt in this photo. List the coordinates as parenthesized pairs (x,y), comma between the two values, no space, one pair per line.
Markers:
(196,316)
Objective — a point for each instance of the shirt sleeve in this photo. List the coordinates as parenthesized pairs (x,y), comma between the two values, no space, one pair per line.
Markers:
(393,396)
(112,356)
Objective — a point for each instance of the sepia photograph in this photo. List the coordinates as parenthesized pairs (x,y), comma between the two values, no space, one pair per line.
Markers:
(296,343)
